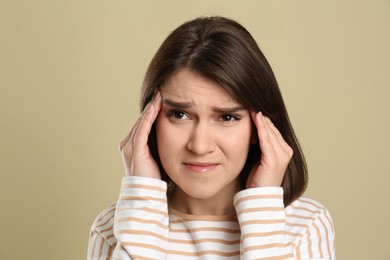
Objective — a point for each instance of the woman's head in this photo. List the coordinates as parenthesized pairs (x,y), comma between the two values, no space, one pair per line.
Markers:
(223,51)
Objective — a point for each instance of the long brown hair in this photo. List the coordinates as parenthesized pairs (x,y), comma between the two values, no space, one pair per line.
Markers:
(224,51)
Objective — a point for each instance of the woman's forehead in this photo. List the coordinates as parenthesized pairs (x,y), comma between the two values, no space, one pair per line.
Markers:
(187,86)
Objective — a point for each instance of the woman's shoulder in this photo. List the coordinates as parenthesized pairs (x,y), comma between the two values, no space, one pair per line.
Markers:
(306,213)
(306,206)
(309,225)
(104,222)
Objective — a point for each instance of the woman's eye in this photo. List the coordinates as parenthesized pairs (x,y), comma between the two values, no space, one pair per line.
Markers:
(229,118)
(177,115)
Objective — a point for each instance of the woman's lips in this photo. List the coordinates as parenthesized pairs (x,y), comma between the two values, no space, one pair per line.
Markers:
(200,167)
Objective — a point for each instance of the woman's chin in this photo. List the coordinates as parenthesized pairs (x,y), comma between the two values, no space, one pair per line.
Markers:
(200,193)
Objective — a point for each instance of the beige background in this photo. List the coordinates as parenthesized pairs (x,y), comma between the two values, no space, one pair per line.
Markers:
(70,75)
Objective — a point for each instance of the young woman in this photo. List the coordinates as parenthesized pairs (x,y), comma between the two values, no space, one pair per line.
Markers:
(213,168)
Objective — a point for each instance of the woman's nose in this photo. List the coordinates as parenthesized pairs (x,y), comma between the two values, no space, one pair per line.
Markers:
(201,139)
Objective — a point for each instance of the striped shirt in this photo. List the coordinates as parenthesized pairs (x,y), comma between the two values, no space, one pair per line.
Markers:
(142,226)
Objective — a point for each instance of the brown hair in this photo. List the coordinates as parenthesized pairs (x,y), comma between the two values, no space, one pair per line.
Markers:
(224,51)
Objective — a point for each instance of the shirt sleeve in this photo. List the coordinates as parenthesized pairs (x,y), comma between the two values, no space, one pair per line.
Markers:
(261,215)
(316,238)
(141,222)
(101,240)
(271,231)
(303,230)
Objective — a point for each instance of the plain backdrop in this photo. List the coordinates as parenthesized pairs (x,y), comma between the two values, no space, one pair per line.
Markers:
(70,77)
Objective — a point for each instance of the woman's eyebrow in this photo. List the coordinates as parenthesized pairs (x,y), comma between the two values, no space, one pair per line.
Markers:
(228,110)
(221,110)
(176,104)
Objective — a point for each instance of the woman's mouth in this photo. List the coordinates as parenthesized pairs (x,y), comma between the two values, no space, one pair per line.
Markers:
(200,167)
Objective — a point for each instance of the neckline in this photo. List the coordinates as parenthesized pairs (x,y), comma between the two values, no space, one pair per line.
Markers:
(228,217)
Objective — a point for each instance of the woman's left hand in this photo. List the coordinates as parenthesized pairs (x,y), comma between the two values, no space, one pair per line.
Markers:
(275,155)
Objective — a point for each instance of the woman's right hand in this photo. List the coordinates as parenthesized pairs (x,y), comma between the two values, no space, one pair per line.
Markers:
(136,155)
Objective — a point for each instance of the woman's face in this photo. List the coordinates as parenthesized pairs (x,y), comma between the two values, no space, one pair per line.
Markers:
(203,135)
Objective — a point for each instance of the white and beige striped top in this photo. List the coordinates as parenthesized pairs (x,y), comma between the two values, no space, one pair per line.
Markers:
(140,226)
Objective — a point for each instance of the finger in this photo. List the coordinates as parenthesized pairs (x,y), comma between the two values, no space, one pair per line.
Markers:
(272,143)
(278,141)
(273,133)
(141,135)
(130,135)
(134,129)
(127,138)
(263,133)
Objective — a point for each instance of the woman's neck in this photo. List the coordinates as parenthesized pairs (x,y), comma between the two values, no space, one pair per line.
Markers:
(217,205)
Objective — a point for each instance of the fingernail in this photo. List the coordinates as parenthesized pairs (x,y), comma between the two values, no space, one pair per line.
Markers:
(157,96)
(259,114)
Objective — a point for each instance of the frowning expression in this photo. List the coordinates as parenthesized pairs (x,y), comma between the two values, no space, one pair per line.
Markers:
(203,135)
